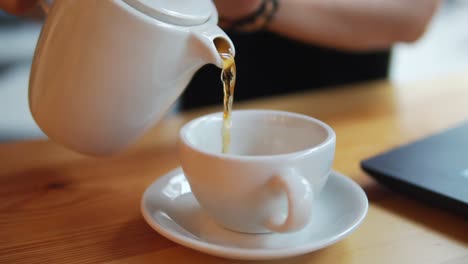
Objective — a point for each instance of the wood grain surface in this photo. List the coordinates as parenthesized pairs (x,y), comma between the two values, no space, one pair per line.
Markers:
(57,206)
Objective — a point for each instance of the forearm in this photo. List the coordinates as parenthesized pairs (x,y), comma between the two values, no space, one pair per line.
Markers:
(353,25)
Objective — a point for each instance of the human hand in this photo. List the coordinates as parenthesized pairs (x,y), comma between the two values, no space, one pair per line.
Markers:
(234,10)
(17,7)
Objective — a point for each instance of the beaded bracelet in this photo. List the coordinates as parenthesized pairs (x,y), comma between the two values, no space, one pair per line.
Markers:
(256,21)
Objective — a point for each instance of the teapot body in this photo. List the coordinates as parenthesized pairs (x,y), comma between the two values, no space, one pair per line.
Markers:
(104,73)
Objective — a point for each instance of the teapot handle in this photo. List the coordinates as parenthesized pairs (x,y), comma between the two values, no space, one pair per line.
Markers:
(45,5)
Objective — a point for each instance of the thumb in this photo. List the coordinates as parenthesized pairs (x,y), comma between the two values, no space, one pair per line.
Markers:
(17,7)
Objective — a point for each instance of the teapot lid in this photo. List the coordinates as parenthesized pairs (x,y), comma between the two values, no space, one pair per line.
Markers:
(179,12)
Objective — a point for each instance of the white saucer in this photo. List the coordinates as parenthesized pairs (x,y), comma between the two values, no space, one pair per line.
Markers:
(170,208)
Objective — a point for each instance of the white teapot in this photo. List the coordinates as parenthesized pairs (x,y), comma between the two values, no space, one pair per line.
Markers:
(105,71)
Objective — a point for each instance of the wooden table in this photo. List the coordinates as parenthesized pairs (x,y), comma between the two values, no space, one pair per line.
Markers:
(60,207)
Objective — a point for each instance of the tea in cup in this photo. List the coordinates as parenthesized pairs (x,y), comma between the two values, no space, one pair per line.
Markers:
(277,165)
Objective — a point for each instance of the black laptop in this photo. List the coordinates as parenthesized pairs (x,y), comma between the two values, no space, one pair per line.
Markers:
(433,169)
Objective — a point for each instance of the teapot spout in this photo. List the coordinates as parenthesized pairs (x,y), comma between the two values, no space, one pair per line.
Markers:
(210,42)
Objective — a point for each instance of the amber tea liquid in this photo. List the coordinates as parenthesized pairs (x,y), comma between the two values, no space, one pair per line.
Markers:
(228,78)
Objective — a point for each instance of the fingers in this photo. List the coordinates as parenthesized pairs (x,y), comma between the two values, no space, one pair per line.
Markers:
(17,7)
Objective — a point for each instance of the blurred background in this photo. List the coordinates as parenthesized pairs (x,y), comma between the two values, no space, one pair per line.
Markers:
(442,50)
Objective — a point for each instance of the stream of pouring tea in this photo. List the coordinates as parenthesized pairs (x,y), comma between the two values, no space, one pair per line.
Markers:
(228,77)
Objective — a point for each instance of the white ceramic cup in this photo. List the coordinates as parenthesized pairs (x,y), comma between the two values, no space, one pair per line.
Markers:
(279,162)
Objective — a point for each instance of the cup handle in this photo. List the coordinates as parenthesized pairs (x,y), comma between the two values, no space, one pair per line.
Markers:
(300,197)
(45,5)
